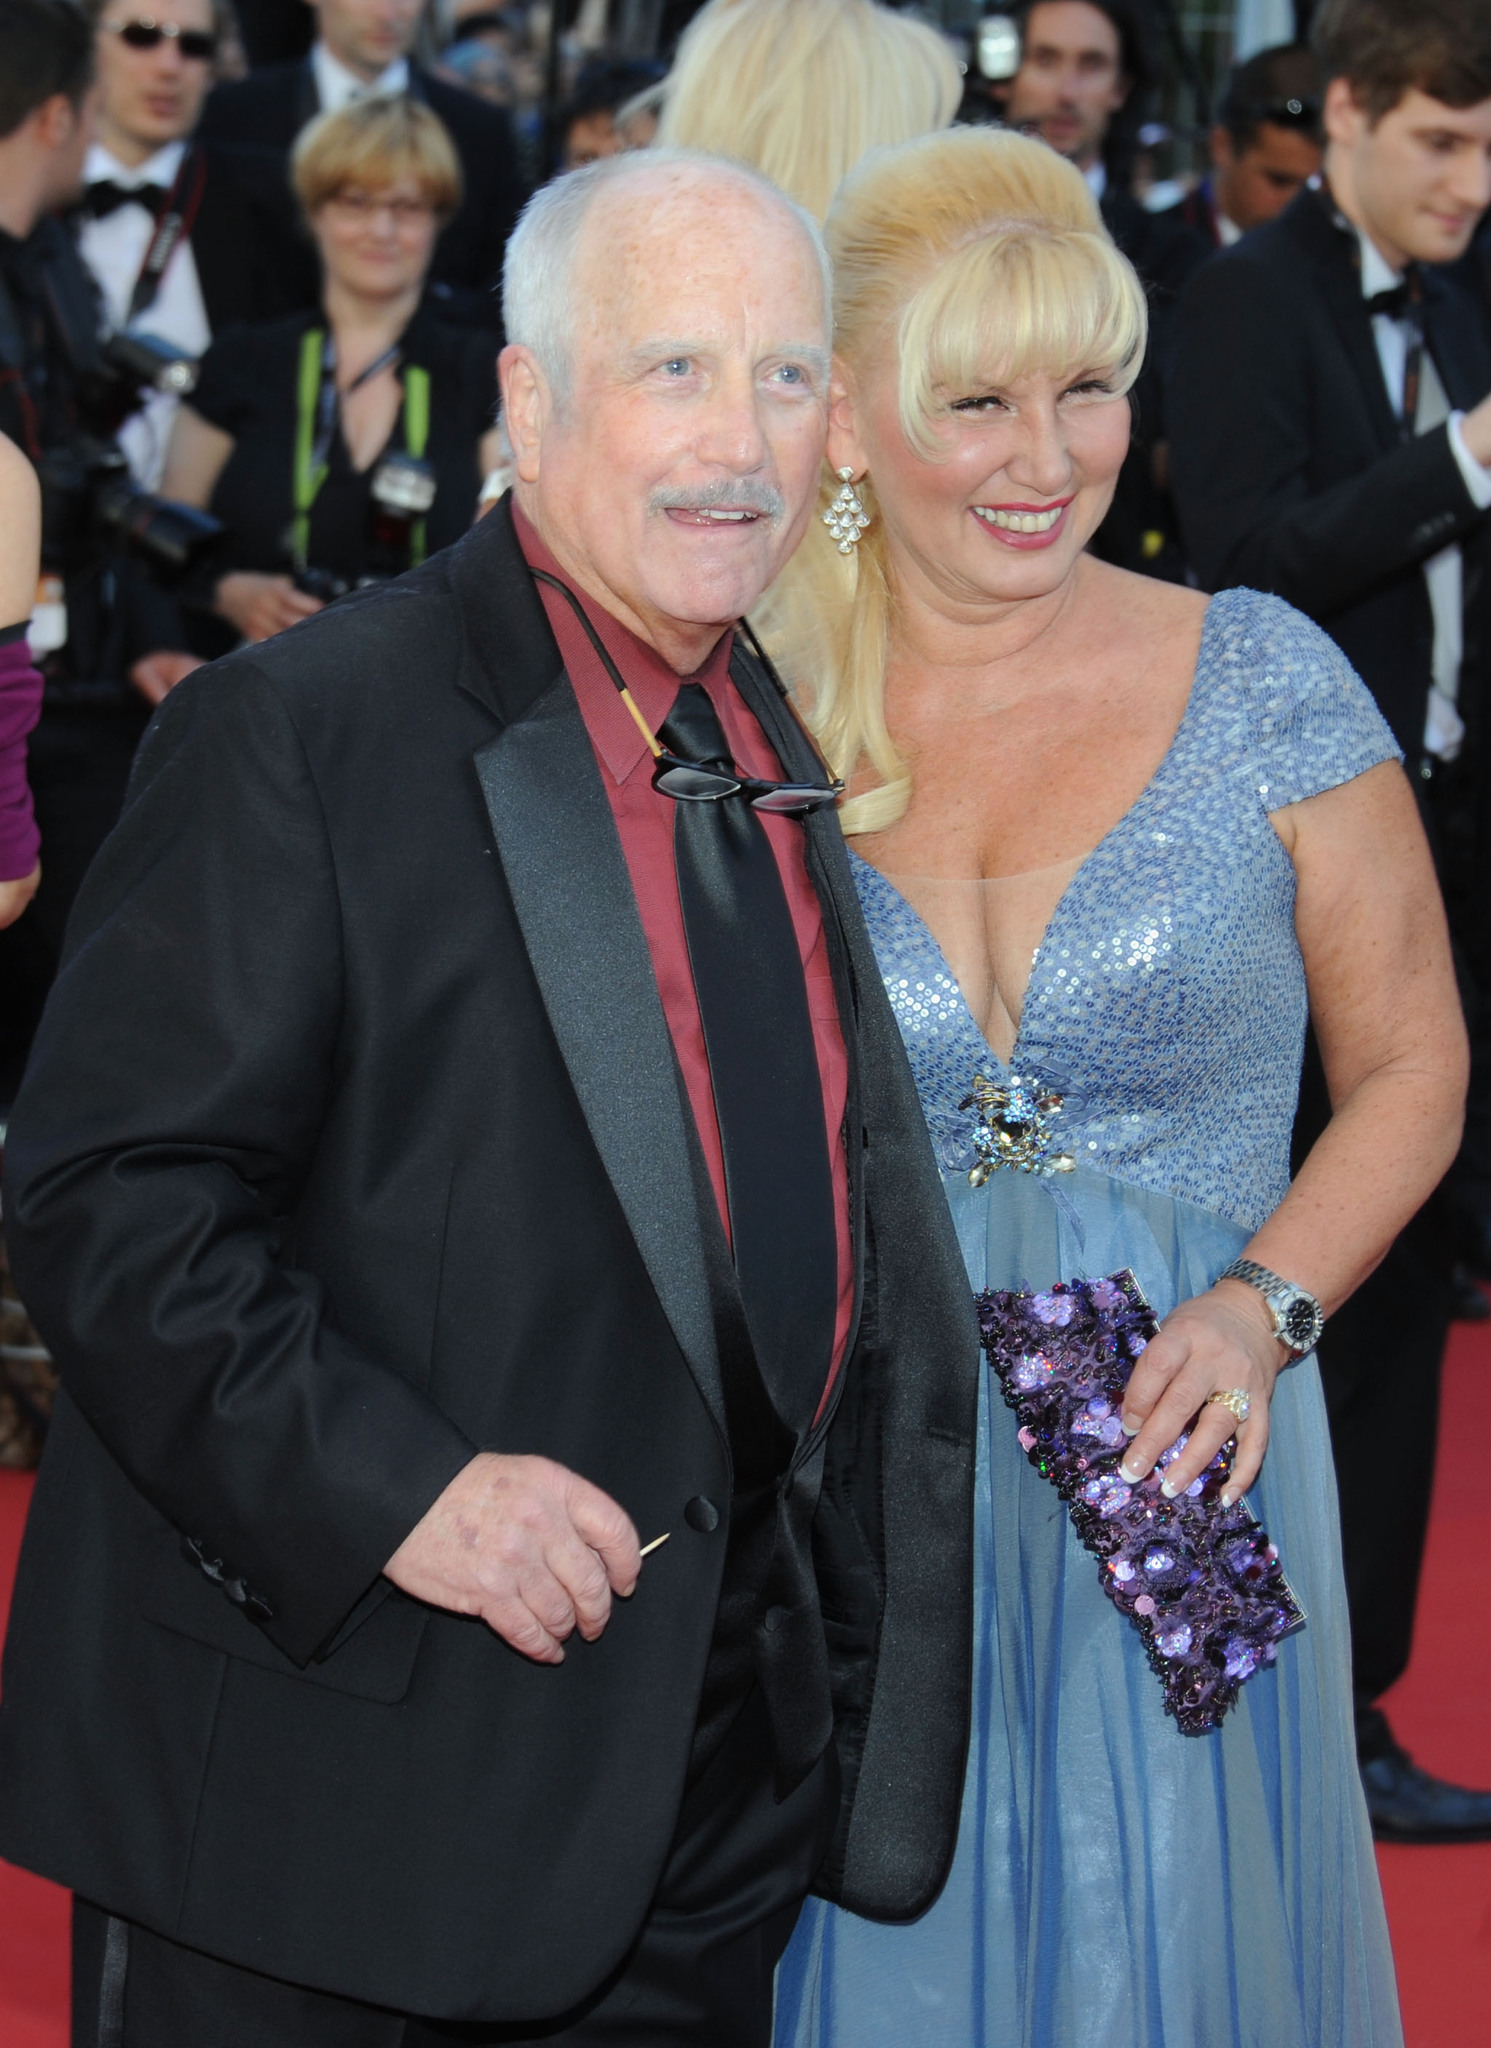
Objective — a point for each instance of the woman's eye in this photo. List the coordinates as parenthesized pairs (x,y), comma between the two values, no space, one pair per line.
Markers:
(1091,387)
(988,403)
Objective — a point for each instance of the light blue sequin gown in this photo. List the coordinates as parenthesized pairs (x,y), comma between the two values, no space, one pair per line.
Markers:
(1118,1884)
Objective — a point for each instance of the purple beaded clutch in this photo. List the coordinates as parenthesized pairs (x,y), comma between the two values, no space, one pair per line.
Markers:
(1200,1582)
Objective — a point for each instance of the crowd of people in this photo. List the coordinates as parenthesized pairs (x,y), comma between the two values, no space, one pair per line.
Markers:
(1135,618)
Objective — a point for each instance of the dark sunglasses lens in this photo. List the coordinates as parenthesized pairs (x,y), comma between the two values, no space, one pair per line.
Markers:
(793,796)
(693,785)
(149,35)
(195,42)
(142,35)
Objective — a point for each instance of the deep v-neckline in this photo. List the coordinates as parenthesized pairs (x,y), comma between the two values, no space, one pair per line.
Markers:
(1043,949)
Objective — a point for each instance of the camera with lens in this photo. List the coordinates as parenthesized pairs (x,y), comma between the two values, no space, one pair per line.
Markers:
(402,492)
(90,501)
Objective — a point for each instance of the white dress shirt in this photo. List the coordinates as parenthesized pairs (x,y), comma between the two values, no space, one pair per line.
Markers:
(1444,729)
(337,87)
(114,249)
(1096,175)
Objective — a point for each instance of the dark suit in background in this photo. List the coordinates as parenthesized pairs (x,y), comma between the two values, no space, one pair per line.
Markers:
(355,1140)
(1291,476)
(1139,531)
(254,122)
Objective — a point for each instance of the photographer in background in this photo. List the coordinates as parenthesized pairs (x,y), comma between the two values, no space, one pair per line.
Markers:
(162,228)
(1330,417)
(343,445)
(1265,147)
(363,47)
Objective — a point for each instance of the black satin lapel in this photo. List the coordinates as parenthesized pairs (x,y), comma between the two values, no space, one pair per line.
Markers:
(1456,342)
(564,866)
(307,96)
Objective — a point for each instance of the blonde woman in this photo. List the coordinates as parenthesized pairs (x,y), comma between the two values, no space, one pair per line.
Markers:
(1106,835)
(803,89)
(304,434)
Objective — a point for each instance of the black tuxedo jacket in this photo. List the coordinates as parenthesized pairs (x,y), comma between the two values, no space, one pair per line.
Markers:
(354,1141)
(254,122)
(1286,462)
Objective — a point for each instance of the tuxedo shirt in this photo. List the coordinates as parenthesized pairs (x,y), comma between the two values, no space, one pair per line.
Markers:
(114,250)
(1444,729)
(337,87)
(644,822)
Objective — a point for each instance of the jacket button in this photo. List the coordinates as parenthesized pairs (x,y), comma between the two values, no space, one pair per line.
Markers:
(702,1514)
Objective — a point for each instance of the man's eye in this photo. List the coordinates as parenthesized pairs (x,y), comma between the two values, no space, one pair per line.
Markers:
(677,366)
(791,373)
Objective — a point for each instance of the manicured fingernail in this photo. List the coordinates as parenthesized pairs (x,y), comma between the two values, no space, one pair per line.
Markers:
(1129,1428)
(1167,1489)
(1228,1499)
(1129,1477)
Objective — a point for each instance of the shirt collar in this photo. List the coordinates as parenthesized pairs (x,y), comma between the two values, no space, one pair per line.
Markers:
(1378,275)
(160,169)
(653,685)
(337,87)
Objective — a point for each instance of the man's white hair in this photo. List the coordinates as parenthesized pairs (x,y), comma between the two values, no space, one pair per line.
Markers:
(539,267)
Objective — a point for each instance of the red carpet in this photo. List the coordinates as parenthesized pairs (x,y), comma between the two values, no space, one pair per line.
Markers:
(1439,1900)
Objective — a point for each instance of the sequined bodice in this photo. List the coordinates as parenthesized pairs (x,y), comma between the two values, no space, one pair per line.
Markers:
(1167,997)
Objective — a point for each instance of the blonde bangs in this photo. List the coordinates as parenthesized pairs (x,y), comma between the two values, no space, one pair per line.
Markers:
(1019,299)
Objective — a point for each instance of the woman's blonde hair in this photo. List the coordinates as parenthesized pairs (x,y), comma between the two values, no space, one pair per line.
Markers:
(971,259)
(802,89)
(374,143)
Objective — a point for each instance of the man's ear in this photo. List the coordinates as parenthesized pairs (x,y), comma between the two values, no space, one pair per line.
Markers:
(1223,155)
(1344,117)
(844,449)
(56,120)
(527,405)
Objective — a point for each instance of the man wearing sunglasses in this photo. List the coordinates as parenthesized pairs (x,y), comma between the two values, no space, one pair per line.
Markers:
(162,226)
(505,1528)
(363,47)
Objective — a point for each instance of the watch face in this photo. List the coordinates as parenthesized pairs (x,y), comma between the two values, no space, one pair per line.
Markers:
(1301,1319)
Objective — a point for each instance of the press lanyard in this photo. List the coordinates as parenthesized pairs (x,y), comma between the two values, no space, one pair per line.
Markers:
(174,224)
(316,418)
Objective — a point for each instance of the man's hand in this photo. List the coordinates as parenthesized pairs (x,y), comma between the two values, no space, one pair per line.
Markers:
(14,896)
(156,675)
(535,1550)
(261,606)
(1475,430)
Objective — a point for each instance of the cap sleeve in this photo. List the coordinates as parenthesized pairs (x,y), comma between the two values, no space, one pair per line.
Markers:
(1312,720)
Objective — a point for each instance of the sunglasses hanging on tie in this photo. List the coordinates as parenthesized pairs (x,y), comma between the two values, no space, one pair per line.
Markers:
(703,782)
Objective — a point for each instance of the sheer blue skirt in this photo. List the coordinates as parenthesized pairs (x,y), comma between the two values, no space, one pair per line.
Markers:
(1118,1884)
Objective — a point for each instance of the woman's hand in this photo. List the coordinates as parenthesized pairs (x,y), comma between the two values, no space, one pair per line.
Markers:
(14,896)
(156,675)
(1209,1345)
(261,606)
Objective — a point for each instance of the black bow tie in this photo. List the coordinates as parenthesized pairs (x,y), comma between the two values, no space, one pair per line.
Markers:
(105,196)
(1400,300)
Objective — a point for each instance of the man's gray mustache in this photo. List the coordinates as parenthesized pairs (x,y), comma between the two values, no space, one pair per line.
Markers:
(742,494)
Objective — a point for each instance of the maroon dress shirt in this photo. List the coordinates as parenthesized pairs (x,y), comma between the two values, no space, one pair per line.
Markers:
(644,821)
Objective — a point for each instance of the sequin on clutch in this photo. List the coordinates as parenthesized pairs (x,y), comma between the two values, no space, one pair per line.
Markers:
(1012,1127)
(1201,1583)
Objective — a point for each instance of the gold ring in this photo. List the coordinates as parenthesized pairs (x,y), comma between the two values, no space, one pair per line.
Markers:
(1237,1400)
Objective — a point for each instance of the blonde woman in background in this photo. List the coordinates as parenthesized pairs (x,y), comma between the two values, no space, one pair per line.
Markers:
(1105,834)
(803,89)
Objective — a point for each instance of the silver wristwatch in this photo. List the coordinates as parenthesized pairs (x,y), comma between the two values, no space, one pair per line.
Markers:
(1298,1316)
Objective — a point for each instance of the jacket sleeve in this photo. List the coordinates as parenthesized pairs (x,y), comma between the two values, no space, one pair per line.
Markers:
(168,1120)
(1240,413)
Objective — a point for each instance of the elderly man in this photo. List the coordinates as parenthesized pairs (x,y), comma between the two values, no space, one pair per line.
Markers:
(469,1149)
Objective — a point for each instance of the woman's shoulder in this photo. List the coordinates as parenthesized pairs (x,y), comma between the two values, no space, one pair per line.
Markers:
(462,361)
(243,372)
(1311,719)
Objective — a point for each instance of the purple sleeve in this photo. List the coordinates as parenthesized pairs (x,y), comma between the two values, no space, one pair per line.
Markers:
(20,707)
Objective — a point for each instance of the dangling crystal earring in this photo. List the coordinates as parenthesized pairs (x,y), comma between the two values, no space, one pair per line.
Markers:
(846,518)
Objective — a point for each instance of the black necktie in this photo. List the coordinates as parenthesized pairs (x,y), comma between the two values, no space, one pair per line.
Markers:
(105,197)
(1405,301)
(768,1092)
